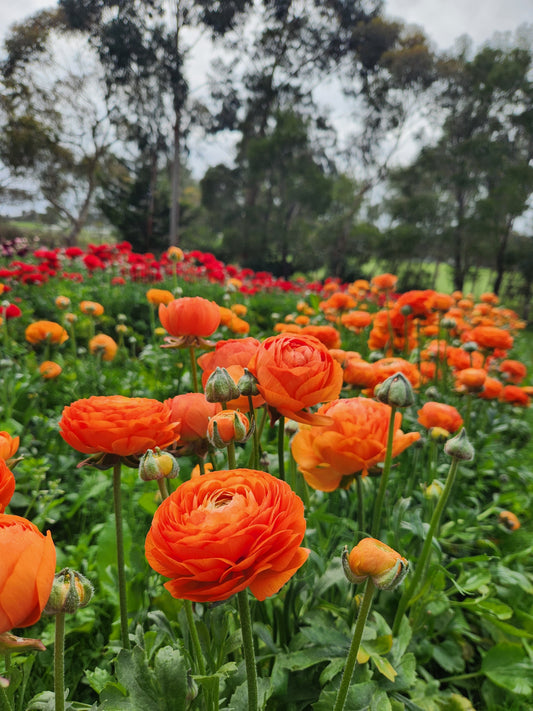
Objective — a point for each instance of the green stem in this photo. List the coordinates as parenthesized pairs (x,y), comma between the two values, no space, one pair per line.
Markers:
(163,488)
(351,659)
(255,434)
(59,662)
(248,648)
(5,704)
(281,447)
(360,502)
(231,455)
(119,537)
(378,505)
(194,371)
(426,550)
(200,663)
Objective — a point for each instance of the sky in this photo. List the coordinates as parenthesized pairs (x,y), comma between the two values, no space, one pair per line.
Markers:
(442,20)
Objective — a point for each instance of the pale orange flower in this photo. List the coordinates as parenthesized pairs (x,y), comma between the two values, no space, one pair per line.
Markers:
(41,331)
(49,369)
(104,346)
(91,308)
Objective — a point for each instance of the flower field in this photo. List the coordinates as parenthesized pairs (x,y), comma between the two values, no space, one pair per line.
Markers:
(224,491)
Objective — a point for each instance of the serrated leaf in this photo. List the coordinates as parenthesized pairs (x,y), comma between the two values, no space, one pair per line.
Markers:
(171,675)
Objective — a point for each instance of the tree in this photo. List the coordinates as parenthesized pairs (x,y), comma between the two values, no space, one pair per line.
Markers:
(56,133)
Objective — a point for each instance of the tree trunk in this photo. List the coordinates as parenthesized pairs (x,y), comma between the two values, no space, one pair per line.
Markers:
(500,259)
(176,184)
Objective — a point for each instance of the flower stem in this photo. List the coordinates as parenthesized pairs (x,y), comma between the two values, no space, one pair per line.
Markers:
(194,371)
(119,537)
(378,505)
(281,447)
(426,550)
(351,659)
(5,704)
(360,502)
(248,648)
(231,455)
(194,637)
(59,662)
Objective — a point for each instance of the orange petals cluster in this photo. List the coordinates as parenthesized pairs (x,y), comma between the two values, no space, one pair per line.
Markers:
(491,338)
(192,411)
(40,331)
(104,346)
(8,445)
(91,308)
(513,371)
(356,320)
(295,372)
(355,441)
(190,316)
(159,296)
(439,414)
(118,425)
(226,531)
(7,485)
(514,395)
(374,559)
(27,567)
(49,369)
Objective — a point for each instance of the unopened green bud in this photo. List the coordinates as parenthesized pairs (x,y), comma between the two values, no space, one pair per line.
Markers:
(70,591)
(460,447)
(220,387)
(158,465)
(448,323)
(396,391)
(248,384)
(226,427)
(434,490)
(470,346)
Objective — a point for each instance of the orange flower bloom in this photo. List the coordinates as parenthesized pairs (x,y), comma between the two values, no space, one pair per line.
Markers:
(190,317)
(175,254)
(159,296)
(295,372)
(103,345)
(27,568)
(470,379)
(513,370)
(7,486)
(359,373)
(40,331)
(49,369)
(492,389)
(327,335)
(91,308)
(239,309)
(62,302)
(234,355)
(356,320)
(226,531)
(239,325)
(509,520)
(227,426)
(442,302)
(8,445)
(371,558)
(384,282)
(192,411)
(491,337)
(514,395)
(385,367)
(438,414)
(122,426)
(355,441)
(417,302)
(338,302)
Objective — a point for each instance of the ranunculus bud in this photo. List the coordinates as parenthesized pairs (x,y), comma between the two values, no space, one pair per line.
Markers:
(509,520)
(460,447)
(226,427)
(396,391)
(220,386)
(374,559)
(470,346)
(248,384)
(439,434)
(175,254)
(70,591)
(434,490)
(158,465)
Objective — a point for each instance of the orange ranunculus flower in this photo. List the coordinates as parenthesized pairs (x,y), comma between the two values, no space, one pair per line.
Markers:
(159,296)
(228,426)
(118,425)
(514,395)
(384,282)
(49,369)
(91,308)
(103,345)
(239,325)
(371,558)
(40,331)
(7,486)
(62,302)
(509,520)
(327,335)
(416,303)
(355,441)
(513,370)
(470,379)
(438,414)
(8,445)
(295,372)
(360,373)
(192,411)
(492,389)
(226,315)
(385,367)
(442,302)
(175,254)
(226,531)
(239,309)
(27,567)
(340,301)
(234,355)
(356,320)
(491,337)
(190,318)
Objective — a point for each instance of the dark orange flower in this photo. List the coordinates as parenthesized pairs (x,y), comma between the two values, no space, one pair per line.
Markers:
(226,531)
(8,445)
(7,486)
(159,296)
(385,367)
(122,426)
(491,337)
(359,373)
(295,372)
(492,389)
(384,282)
(416,303)
(190,318)
(514,395)
(470,379)
(40,331)
(104,346)
(442,302)
(438,414)
(192,411)
(509,520)
(327,335)
(355,441)
(356,320)
(513,370)
(27,567)
(371,558)
(339,301)
(91,308)
(49,369)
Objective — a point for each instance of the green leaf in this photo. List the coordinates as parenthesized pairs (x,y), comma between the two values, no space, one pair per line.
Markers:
(171,674)
(380,701)
(508,666)
(98,679)
(239,700)
(384,667)
(448,655)
(359,697)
